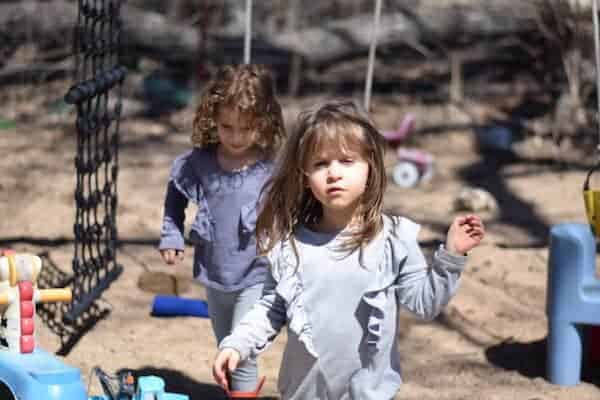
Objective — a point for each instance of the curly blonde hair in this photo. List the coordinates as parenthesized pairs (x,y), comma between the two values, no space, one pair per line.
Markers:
(251,89)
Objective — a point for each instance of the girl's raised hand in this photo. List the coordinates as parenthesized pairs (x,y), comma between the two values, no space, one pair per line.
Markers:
(226,361)
(465,233)
(171,256)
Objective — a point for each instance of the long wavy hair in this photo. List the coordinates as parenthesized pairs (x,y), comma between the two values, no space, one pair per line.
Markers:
(251,89)
(288,201)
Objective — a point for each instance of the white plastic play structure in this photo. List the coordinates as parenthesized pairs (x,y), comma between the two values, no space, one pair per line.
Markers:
(18,296)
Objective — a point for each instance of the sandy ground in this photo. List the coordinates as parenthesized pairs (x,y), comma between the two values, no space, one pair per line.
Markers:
(488,344)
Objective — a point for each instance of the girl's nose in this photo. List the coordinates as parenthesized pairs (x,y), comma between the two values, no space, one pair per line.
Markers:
(334,171)
(237,135)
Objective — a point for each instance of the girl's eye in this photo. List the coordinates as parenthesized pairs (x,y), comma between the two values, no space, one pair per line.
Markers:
(347,160)
(320,164)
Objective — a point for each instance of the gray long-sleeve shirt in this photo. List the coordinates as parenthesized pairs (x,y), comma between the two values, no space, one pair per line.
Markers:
(342,311)
(223,230)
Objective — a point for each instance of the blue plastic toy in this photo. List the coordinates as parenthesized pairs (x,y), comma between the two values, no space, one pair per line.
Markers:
(573,299)
(153,388)
(38,375)
(173,306)
(147,388)
(28,372)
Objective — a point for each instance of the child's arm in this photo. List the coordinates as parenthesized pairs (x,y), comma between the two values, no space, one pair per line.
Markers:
(171,233)
(425,290)
(254,333)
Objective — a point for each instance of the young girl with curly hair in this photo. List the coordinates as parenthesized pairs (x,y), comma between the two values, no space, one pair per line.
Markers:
(238,128)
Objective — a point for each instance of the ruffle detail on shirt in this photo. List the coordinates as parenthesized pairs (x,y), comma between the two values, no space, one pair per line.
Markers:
(290,288)
(201,229)
(248,217)
(386,261)
(383,256)
(184,178)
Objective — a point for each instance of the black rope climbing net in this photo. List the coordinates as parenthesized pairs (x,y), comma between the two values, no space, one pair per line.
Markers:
(96,95)
(52,276)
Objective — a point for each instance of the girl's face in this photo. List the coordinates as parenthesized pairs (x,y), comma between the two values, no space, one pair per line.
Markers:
(235,132)
(337,178)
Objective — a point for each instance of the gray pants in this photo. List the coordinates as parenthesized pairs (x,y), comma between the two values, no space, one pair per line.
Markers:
(226,309)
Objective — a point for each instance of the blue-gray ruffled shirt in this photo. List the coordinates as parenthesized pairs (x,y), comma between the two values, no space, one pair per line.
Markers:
(223,229)
(342,310)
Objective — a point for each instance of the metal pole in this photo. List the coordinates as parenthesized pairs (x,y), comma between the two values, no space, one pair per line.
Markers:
(372,47)
(597,51)
(248,33)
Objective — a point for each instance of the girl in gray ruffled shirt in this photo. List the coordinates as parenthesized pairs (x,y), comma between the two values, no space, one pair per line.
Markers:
(237,130)
(339,269)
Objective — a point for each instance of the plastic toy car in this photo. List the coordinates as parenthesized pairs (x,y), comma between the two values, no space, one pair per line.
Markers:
(413,166)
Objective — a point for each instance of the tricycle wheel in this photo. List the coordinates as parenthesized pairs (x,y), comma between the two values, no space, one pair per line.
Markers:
(405,174)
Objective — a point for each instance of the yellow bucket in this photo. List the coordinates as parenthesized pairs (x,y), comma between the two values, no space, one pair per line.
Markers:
(592,209)
(591,198)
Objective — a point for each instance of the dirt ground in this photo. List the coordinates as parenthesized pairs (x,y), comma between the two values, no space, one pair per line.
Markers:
(488,344)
